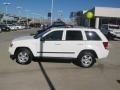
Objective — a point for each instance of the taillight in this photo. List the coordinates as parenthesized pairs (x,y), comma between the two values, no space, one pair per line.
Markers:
(105,44)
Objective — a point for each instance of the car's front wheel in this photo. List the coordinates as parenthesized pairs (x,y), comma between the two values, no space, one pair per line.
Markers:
(86,59)
(23,56)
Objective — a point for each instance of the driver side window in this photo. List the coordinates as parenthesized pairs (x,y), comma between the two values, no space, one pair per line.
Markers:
(54,36)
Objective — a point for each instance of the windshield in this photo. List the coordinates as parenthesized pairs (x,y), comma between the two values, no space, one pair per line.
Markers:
(37,35)
(114,27)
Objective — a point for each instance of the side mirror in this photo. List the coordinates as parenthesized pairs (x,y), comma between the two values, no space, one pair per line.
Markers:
(42,39)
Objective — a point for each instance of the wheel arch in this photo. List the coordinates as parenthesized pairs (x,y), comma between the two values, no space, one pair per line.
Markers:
(18,48)
(88,50)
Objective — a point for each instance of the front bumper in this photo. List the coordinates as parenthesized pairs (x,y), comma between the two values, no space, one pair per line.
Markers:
(12,57)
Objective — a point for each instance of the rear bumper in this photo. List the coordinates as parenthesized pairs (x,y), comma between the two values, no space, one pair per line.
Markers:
(103,54)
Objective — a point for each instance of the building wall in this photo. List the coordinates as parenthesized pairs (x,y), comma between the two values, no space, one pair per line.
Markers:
(106,15)
(107,12)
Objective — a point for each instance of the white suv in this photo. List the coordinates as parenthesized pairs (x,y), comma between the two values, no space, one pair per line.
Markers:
(81,44)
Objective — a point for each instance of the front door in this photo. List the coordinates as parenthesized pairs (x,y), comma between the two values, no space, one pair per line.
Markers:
(52,44)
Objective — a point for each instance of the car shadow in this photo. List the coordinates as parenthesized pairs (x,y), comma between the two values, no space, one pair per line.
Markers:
(48,80)
(118,81)
(51,86)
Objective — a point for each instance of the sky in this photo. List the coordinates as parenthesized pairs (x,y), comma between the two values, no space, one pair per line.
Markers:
(40,8)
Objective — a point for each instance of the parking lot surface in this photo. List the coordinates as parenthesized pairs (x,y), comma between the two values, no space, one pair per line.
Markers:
(104,75)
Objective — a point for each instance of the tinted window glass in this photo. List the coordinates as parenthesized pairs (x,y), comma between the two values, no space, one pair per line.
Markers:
(91,35)
(74,35)
(55,35)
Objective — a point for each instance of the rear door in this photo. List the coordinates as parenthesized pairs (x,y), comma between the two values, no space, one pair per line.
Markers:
(73,43)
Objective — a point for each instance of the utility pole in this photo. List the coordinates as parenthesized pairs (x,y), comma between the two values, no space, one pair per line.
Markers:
(19,12)
(6,10)
(52,4)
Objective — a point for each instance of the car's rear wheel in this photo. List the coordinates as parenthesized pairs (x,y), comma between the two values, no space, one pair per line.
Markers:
(86,59)
(23,56)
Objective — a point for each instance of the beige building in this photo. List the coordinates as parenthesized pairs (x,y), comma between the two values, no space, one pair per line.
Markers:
(103,15)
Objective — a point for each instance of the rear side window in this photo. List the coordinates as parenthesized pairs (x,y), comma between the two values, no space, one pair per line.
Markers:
(91,35)
(74,35)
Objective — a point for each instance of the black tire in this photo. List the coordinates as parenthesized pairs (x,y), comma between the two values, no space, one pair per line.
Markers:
(24,56)
(86,59)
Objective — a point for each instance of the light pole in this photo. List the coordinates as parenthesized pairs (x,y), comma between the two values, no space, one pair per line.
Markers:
(34,16)
(27,17)
(19,12)
(52,4)
(60,14)
(6,9)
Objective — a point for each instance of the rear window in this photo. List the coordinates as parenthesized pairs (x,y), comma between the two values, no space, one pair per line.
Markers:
(91,35)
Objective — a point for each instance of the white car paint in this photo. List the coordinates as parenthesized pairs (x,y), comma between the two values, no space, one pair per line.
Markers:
(63,48)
